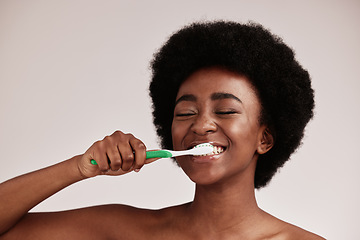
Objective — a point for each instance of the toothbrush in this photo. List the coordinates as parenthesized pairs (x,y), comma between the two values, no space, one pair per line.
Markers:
(201,149)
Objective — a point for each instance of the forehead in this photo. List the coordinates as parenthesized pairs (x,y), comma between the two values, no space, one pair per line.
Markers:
(206,82)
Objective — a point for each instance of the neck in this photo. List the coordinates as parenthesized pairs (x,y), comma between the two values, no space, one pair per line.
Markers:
(224,206)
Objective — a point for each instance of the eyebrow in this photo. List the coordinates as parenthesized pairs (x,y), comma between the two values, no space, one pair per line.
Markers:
(214,97)
(221,95)
(186,97)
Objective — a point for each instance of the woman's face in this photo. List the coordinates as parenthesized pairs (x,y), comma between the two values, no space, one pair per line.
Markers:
(221,107)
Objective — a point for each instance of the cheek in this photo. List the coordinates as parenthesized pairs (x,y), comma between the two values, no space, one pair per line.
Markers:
(234,129)
(178,132)
(241,133)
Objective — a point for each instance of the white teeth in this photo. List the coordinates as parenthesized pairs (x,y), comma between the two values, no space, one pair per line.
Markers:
(216,150)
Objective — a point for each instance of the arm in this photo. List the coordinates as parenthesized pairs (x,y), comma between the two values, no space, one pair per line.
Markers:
(22,193)
(114,155)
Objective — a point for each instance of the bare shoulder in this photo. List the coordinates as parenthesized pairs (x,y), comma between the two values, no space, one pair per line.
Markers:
(166,224)
(97,222)
(289,231)
(138,223)
(293,232)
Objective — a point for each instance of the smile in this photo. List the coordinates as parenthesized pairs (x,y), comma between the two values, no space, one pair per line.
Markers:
(217,150)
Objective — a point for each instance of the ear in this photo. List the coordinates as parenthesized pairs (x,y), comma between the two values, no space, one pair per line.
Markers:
(266,140)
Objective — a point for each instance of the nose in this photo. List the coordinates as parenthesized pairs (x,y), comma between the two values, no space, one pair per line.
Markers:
(203,125)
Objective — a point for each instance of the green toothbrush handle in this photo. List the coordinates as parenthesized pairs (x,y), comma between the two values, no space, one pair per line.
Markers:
(158,154)
(150,154)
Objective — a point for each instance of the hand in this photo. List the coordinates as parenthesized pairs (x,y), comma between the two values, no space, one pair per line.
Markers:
(116,154)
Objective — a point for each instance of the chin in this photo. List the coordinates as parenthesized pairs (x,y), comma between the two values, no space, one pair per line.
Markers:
(205,176)
(204,182)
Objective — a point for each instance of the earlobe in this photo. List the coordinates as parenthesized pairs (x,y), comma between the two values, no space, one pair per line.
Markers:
(266,141)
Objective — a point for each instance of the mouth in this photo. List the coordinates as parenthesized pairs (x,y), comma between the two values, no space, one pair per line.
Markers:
(216,151)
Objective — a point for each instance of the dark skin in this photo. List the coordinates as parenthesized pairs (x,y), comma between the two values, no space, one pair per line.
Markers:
(214,105)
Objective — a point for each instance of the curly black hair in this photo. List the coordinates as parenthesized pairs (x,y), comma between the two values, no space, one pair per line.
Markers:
(283,85)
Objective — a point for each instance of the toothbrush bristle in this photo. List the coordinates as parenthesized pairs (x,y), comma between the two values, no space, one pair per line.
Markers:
(204,145)
(203,149)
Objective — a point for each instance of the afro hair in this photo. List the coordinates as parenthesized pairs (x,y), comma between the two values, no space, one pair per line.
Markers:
(283,85)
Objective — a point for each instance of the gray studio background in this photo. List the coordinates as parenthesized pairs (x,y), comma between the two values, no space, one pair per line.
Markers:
(72,72)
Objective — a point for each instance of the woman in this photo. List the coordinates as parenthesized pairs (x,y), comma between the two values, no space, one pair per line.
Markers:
(234,85)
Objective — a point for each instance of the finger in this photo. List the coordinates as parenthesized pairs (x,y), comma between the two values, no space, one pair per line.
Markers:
(114,157)
(140,153)
(127,156)
(150,160)
(102,161)
(96,153)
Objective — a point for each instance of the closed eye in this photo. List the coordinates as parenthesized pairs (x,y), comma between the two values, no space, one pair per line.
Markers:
(184,114)
(226,112)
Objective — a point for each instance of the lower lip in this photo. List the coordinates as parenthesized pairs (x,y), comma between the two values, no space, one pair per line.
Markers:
(205,159)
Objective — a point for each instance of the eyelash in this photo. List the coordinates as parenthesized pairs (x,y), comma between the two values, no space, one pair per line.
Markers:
(218,112)
(184,114)
(226,112)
